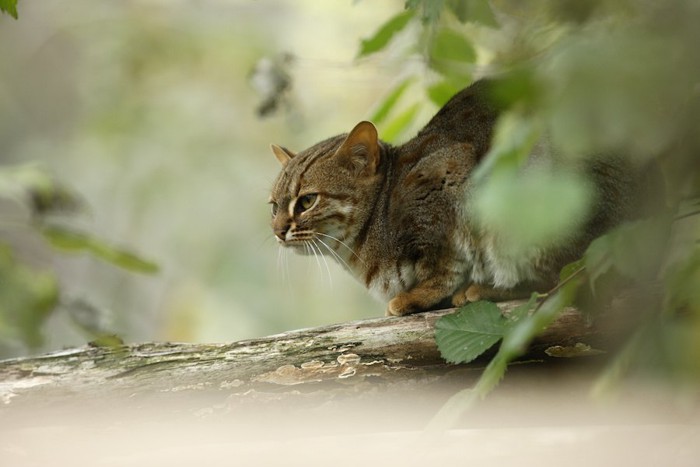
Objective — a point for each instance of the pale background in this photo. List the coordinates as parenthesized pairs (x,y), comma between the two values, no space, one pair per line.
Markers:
(146,109)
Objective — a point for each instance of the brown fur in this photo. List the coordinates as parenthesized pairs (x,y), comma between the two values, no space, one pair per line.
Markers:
(397,217)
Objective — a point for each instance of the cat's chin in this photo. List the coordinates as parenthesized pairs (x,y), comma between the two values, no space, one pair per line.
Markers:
(299,248)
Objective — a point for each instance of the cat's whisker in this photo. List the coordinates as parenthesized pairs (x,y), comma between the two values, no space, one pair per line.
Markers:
(342,243)
(313,250)
(335,254)
(279,259)
(281,263)
(285,255)
(323,257)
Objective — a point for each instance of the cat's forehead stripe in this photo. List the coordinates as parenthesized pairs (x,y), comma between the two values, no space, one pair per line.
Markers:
(320,150)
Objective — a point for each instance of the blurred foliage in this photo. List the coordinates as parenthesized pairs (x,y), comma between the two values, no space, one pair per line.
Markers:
(148,111)
(9,7)
(593,79)
(28,296)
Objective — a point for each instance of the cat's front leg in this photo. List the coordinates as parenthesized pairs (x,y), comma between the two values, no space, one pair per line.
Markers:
(406,303)
(424,296)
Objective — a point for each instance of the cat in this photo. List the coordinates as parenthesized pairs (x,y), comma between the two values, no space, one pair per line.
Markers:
(398,217)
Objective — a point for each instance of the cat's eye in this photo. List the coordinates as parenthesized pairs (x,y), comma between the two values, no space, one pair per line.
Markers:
(306,202)
(274,208)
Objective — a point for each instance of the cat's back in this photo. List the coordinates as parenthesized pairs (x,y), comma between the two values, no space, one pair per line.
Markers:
(436,163)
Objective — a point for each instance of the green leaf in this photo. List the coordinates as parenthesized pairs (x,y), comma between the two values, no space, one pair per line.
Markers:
(430,9)
(572,351)
(637,247)
(123,258)
(450,51)
(388,104)
(384,34)
(36,187)
(518,86)
(522,311)
(70,240)
(477,11)
(463,336)
(27,298)
(395,127)
(111,341)
(9,7)
(570,269)
(682,281)
(634,249)
(529,209)
(597,260)
(516,339)
(441,92)
(515,136)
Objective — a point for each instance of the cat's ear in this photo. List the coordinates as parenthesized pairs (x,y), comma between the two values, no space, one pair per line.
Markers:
(283,155)
(361,149)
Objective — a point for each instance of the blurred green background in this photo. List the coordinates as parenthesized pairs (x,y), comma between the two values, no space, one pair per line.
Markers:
(146,109)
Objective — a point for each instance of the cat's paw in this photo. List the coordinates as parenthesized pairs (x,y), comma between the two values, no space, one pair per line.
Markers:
(467,294)
(400,305)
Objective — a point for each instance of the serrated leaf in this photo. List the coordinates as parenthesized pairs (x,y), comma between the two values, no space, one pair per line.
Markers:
(388,104)
(70,240)
(463,336)
(9,7)
(384,34)
(516,338)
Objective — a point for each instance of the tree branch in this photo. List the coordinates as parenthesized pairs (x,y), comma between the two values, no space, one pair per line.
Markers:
(382,349)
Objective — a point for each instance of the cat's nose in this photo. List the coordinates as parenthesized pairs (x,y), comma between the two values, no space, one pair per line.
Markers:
(281,233)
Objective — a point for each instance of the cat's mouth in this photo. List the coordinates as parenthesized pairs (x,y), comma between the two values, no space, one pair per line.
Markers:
(296,239)
(306,242)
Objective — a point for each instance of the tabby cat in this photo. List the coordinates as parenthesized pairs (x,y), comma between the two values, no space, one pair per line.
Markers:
(398,217)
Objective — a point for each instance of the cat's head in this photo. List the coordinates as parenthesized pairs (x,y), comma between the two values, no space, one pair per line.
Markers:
(324,192)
